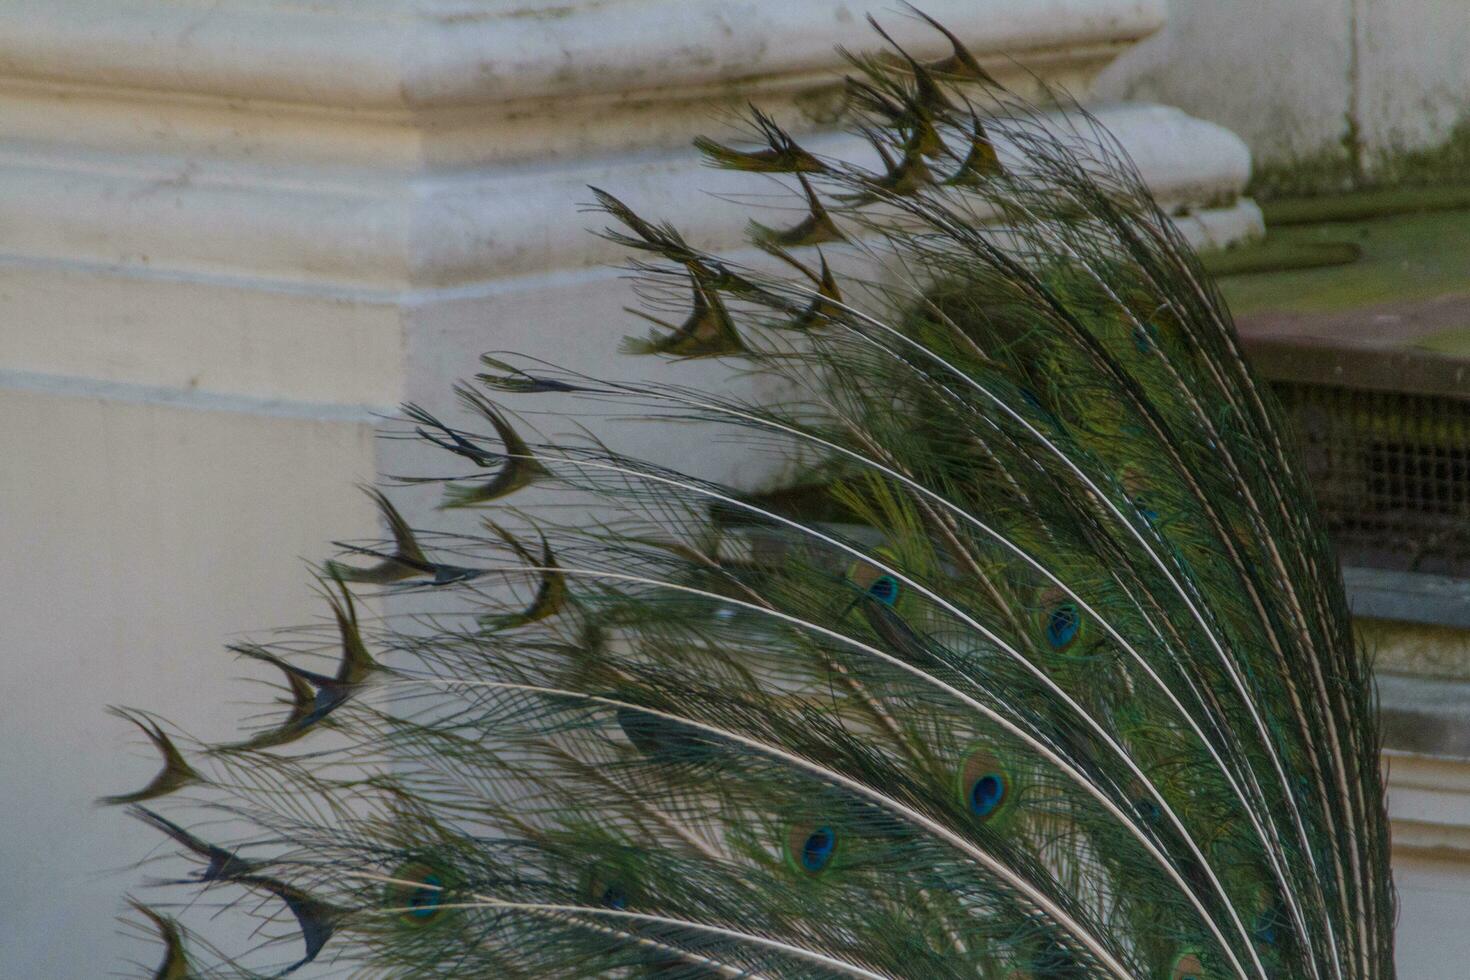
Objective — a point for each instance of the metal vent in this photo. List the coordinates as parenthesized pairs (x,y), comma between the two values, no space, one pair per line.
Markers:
(1392,474)
(1385,436)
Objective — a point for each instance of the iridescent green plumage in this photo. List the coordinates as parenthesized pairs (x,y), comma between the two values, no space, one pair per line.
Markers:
(1044,671)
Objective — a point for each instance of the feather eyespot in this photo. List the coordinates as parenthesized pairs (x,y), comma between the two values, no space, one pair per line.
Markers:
(1188,967)
(1063,625)
(884,589)
(875,583)
(985,787)
(614,896)
(987,794)
(1139,495)
(1265,927)
(609,887)
(1270,918)
(424,901)
(816,850)
(1144,338)
(810,848)
(417,892)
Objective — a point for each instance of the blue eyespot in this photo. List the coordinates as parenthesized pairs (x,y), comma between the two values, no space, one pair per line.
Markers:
(816,852)
(1063,624)
(984,784)
(987,794)
(1266,928)
(1148,810)
(423,902)
(1143,338)
(614,896)
(885,590)
(416,892)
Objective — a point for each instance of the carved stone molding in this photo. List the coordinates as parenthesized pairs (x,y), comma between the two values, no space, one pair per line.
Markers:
(423,54)
(416,144)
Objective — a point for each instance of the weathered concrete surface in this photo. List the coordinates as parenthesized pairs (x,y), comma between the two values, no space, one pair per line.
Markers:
(1328,93)
(1274,71)
(1413,75)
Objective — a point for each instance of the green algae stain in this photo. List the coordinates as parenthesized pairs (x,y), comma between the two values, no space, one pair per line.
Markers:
(1334,170)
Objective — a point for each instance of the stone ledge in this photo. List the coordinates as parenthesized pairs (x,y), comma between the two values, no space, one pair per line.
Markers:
(1426,716)
(1429,804)
(414,54)
(1427,757)
(194,400)
(1408,597)
(385,233)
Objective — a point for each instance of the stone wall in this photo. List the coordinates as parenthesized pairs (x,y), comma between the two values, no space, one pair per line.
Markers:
(1328,93)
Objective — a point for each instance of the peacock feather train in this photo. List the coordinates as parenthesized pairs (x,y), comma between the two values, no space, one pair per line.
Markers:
(1038,667)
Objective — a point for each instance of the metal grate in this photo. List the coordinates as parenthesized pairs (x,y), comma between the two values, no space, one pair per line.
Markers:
(1392,474)
(1385,434)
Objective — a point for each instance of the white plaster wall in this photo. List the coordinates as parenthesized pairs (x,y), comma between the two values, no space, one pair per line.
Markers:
(1414,71)
(325,350)
(576,319)
(1274,71)
(135,539)
(1298,78)
(1433,941)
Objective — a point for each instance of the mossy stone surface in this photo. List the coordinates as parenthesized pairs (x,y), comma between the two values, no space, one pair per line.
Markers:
(1408,257)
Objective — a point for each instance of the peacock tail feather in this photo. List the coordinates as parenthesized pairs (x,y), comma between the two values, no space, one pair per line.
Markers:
(1039,667)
